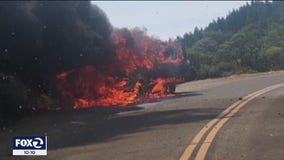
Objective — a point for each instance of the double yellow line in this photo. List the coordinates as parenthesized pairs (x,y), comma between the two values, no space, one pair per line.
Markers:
(217,123)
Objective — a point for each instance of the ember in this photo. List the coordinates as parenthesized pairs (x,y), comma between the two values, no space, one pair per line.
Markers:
(143,68)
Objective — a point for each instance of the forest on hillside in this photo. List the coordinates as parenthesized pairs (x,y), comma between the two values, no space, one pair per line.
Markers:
(249,39)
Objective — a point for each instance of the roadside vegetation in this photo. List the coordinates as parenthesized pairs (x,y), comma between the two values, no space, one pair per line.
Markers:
(250,39)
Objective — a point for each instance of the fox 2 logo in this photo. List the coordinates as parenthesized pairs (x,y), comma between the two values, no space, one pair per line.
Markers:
(27,145)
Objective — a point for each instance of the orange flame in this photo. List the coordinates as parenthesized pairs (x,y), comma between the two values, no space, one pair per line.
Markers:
(89,87)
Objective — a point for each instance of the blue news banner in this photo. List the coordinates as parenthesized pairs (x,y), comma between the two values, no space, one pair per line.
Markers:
(30,145)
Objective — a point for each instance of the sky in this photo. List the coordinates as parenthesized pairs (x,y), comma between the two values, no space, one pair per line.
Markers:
(166,19)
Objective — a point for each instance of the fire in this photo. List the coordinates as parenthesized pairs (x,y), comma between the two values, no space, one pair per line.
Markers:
(134,75)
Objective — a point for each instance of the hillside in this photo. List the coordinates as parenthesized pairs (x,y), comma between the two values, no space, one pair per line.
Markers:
(250,39)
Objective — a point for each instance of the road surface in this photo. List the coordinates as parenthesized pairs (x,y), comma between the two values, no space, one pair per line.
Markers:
(166,129)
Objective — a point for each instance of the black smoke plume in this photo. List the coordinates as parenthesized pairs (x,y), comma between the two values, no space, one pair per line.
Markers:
(41,39)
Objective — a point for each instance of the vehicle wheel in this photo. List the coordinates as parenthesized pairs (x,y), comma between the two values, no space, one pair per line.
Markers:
(172,88)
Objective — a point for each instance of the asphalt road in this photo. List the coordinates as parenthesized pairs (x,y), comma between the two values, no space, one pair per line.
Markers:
(164,129)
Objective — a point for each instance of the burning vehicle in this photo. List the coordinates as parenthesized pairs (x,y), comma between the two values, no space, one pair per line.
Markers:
(68,55)
(143,68)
